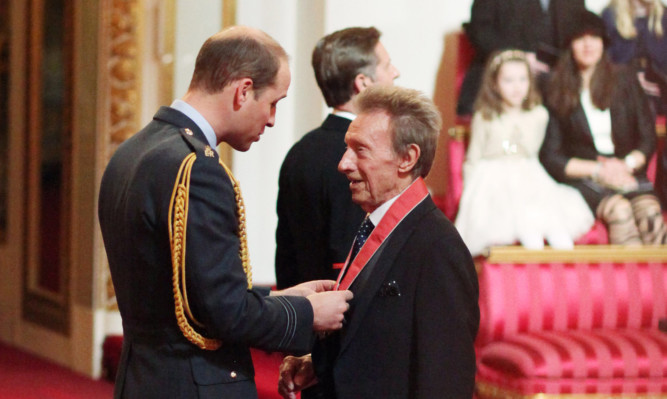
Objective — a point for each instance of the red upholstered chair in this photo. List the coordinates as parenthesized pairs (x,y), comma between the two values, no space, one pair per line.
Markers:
(572,324)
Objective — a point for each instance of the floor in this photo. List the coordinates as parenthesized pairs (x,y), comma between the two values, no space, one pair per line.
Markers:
(26,376)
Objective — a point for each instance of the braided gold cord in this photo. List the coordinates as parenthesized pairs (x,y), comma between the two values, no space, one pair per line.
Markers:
(178,217)
(243,237)
(177,227)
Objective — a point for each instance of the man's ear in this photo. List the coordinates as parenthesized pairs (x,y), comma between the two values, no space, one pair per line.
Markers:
(409,159)
(242,91)
(361,83)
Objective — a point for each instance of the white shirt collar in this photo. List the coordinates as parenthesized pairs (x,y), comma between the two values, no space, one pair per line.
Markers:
(377,215)
(198,119)
(344,114)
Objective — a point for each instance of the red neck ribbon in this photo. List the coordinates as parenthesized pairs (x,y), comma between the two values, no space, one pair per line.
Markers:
(403,205)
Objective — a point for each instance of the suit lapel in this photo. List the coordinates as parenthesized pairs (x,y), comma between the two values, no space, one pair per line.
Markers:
(579,119)
(383,262)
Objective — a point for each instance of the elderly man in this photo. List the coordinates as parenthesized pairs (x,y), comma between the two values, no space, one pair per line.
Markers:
(173,224)
(317,219)
(410,329)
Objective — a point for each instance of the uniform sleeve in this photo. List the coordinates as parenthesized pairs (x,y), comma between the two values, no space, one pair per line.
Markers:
(447,320)
(216,283)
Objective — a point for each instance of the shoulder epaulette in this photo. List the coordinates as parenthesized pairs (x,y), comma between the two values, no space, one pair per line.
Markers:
(197,145)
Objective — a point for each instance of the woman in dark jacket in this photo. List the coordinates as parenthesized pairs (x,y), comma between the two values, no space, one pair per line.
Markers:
(601,135)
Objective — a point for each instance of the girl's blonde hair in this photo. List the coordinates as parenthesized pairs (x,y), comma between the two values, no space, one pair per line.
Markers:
(489,101)
(625,18)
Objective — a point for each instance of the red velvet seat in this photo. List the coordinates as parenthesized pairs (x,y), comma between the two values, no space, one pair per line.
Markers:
(605,361)
(584,326)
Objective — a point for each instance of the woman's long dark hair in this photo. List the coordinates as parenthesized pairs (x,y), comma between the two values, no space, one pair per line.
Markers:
(565,84)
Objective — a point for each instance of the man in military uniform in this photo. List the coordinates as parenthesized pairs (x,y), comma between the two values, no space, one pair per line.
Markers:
(173,224)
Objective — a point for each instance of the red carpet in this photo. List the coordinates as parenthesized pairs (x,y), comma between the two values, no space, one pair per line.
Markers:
(25,376)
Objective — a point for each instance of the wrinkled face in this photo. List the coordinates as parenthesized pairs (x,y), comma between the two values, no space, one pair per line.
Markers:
(513,83)
(261,110)
(369,162)
(587,51)
(385,71)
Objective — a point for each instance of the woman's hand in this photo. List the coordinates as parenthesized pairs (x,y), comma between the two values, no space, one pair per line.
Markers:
(614,173)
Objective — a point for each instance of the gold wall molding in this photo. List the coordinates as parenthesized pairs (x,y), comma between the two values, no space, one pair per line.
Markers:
(123,70)
(121,47)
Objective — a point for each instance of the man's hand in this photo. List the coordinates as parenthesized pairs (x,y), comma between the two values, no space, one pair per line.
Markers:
(307,288)
(296,374)
(329,308)
(536,66)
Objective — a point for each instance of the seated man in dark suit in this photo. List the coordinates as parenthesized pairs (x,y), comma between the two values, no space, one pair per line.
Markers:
(538,27)
(410,329)
(168,205)
(317,219)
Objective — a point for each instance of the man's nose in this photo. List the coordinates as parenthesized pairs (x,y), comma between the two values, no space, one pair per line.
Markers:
(345,162)
(272,119)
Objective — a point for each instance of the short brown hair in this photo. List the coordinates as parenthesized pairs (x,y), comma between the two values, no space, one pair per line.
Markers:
(489,101)
(413,119)
(339,57)
(236,53)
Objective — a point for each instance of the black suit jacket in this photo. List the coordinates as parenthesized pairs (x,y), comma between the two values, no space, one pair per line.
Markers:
(632,128)
(413,319)
(317,219)
(157,361)
(504,24)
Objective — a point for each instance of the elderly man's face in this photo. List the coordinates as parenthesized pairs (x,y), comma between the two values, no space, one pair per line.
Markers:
(369,162)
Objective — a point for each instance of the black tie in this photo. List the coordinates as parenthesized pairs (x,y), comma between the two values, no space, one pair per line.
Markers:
(362,235)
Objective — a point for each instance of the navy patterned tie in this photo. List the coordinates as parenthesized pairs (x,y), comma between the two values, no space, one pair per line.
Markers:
(362,235)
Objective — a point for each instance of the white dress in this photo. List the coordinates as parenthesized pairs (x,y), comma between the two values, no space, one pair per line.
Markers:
(507,194)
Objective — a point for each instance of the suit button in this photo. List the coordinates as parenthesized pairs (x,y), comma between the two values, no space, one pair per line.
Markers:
(232,374)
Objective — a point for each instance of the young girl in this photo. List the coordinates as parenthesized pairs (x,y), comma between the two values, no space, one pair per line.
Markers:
(507,194)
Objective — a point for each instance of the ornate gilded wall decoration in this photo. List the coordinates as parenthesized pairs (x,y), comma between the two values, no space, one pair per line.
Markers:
(122,46)
(124,71)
